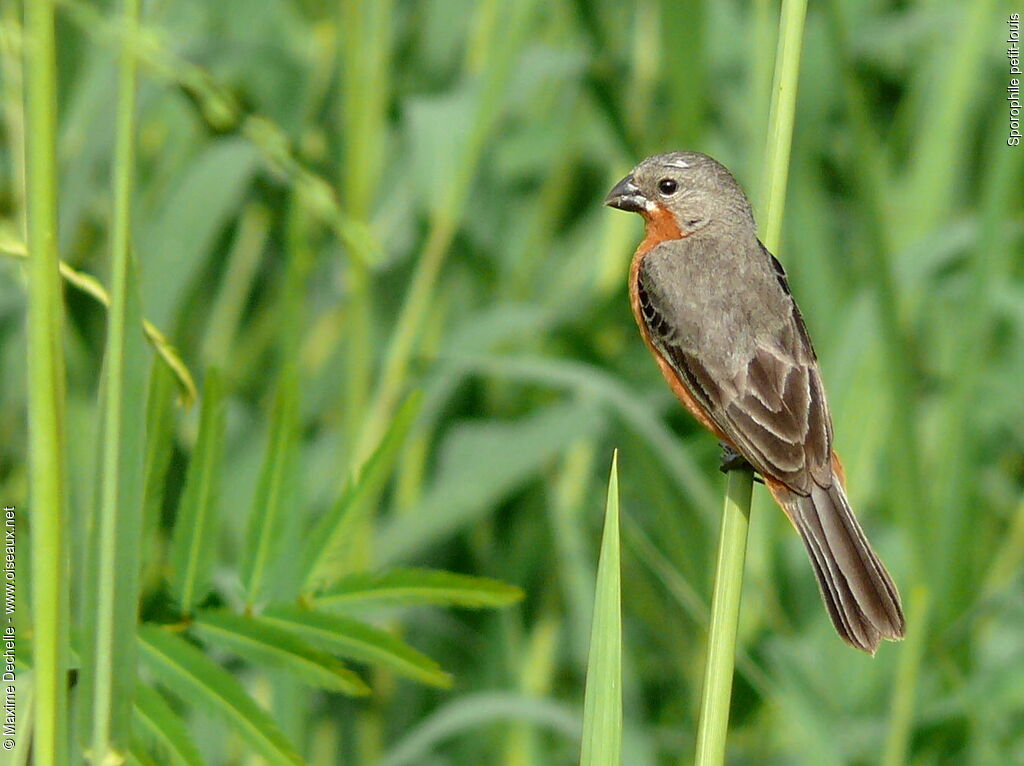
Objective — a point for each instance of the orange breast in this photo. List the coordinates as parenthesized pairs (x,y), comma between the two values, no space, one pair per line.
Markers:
(661,226)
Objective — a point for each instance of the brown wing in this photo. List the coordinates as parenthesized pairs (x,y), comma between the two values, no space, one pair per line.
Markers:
(770,402)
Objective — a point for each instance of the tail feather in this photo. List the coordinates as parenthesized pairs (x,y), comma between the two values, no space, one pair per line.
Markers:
(858,592)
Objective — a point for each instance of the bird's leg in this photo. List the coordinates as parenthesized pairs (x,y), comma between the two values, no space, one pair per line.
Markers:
(732,460)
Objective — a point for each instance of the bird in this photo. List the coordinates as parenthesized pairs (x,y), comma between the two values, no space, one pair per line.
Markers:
(715,308)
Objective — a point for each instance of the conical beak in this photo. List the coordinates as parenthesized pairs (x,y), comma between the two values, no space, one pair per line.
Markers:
(626,196)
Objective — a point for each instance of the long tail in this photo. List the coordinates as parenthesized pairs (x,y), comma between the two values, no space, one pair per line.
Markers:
(859,594)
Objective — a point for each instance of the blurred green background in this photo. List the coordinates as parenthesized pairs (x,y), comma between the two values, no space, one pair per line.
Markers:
(395,196)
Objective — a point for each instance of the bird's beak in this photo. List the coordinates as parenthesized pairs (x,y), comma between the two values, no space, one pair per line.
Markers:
(626,196)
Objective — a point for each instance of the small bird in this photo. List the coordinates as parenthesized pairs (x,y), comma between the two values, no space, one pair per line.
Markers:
(715,309)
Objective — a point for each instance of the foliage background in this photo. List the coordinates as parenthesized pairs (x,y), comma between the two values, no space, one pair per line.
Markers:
(393,196)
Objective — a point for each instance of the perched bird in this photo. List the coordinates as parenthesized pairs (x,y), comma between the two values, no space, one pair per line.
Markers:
(715,309)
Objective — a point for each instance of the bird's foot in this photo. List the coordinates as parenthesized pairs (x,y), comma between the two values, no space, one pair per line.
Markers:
(732,460)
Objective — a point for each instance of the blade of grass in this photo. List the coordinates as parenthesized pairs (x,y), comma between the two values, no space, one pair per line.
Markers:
(109,669)
(473,710)
(267,644)
(716,695)
(781,117)
(194,528)
(240,273)
(602,705)
(328,546)
(359,641)
(415,587)
(627,403)
(159,446)
(156,721)
(45,391)
(482,463)
(365,31)
(193,677)
(272,497)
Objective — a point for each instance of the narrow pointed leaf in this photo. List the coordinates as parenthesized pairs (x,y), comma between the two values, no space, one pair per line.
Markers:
(111,592)
(329,541)
(272,495)
(156,722)
(602,707)
(266,643)
(195,528)
(159,442)
(139,756)
(193,677)
(415,587)
(359,641)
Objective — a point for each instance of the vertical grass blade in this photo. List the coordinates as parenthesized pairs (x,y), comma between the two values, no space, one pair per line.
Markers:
(45,390)
(602,706)
(364,27)
(194,528)
(780,120)
(266,523)
(328,549)
(159,444)
(725,610)
(109,669)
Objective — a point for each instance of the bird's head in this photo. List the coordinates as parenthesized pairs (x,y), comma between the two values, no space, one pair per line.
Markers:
(687,190)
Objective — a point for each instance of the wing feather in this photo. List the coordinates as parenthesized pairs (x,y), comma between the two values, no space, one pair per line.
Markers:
(770,404)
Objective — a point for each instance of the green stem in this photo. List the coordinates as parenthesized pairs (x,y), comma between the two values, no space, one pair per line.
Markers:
(45,391)
(365,31)
(118,523)
(725,612)
(781,118)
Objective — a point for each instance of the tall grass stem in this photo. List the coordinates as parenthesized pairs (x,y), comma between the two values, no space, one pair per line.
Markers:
(45,391)
(116,553)
(725,610)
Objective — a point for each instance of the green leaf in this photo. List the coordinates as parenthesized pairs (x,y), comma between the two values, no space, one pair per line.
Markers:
(462,715)
(602,706)
(194,678)
(139,756)
(409,587)
(112,574)
(483,462)
(178,235)
(272,501)
(155,721)
(195,529)
(264,642)
(330,540)
(357,640)
(628,404)
(159,443)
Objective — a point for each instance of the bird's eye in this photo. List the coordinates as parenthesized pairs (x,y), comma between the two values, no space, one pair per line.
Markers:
(667,186)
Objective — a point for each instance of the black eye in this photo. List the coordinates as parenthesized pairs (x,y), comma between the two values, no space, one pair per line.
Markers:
(667,186)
